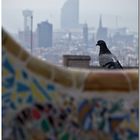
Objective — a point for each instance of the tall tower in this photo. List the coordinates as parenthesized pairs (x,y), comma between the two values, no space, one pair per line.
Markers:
(85,34)
(102,32)
(28,17)
(70,14)
(27,14)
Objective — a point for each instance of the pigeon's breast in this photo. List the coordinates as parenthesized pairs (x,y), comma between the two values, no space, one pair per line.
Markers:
(105,58)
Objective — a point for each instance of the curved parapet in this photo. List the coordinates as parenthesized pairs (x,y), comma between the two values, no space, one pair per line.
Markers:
(41,101)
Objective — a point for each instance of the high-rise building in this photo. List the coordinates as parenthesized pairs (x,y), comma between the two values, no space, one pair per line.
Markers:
(70,14)
(27,14)
(102,33)
(45,34)
(85,34)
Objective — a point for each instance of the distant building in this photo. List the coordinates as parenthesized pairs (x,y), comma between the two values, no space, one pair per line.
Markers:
(120,39)
(85,34)
(102,33)
(27,14)
(35,40)
(21,37)
(91,42)
(45,34)
(70,14)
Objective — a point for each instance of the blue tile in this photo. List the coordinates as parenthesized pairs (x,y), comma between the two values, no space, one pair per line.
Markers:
(6,64)
(21,87)
(50,87)
(8,82)
(25,75)
(42,90)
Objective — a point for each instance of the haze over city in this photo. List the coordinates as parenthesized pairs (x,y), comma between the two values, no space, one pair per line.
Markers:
(73,27)
(126,12)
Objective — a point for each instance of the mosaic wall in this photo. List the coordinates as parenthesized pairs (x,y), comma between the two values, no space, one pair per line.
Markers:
(35,108)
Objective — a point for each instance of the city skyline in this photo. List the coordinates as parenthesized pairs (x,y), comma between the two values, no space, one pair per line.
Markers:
(91,14)
(76,41)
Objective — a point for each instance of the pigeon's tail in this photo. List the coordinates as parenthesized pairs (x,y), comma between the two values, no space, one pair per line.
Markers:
(119,65)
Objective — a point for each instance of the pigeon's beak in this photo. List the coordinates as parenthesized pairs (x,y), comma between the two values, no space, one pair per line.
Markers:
(97,44)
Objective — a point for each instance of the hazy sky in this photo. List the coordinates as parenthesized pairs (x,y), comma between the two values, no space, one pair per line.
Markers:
(90,10)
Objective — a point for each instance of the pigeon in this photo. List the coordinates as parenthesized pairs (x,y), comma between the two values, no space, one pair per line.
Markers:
(106,59)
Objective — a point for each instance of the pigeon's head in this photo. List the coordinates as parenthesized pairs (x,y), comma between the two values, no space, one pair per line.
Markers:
(101,43)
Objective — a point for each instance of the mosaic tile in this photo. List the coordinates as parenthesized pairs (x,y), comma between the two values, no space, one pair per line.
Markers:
(38,106)
(6,64)
(21,87)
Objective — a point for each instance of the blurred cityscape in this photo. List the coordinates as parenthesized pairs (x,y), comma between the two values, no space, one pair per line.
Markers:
(76,38)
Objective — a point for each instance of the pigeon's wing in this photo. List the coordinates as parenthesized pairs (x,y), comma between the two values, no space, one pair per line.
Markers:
(109,61)
(110,65)
(113,65)
(105,59)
